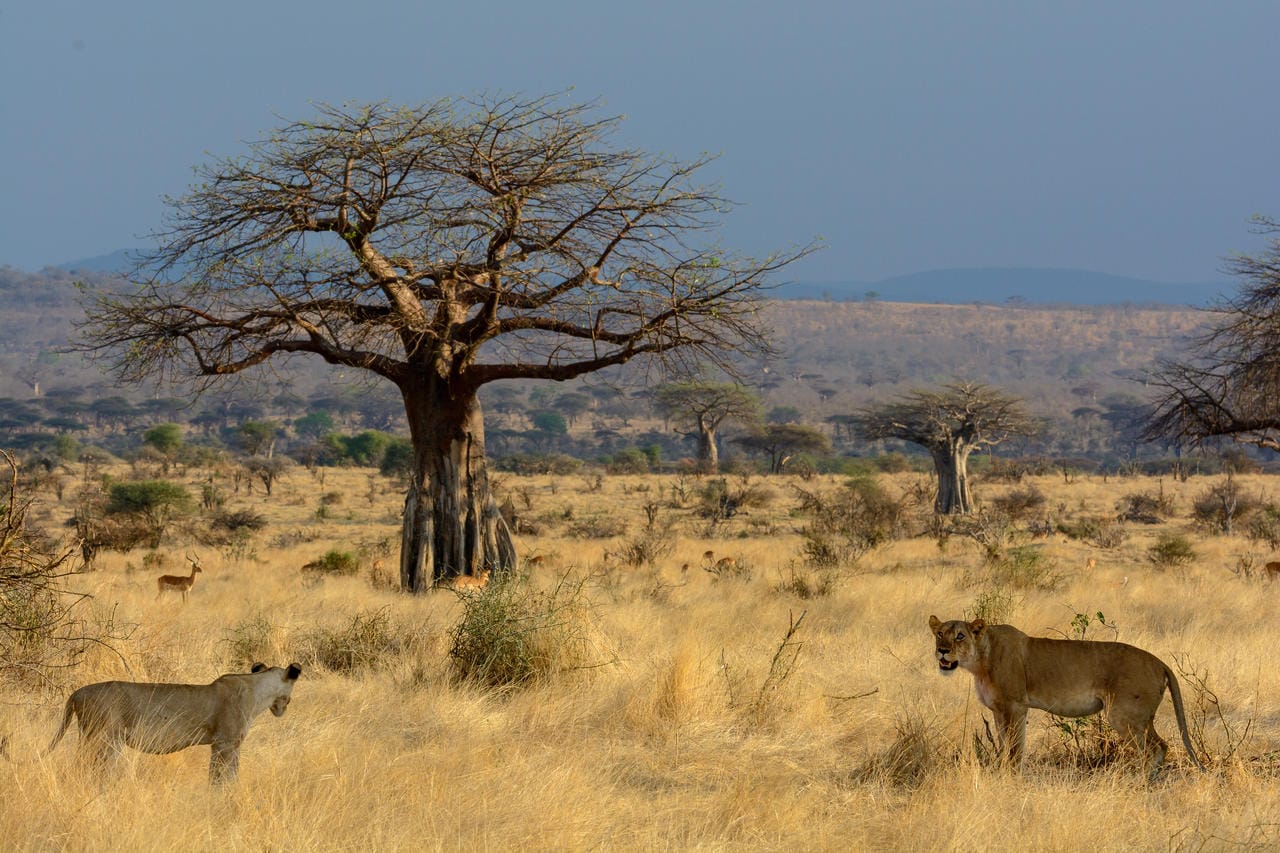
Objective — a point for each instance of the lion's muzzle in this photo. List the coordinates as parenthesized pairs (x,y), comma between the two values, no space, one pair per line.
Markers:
(946,665)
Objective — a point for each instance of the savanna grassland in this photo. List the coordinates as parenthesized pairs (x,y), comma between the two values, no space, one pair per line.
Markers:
(766,704)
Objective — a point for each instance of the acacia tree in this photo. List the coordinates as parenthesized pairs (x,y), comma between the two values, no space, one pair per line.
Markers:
(1230,384)
(950,423)
(704,406)
(781,443)
(441,247)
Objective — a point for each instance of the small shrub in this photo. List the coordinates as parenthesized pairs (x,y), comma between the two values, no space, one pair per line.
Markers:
(1219,507)
(597,526)
(511,635)
(1144,508)
(1100,532)
(647,549)
(250,641)
(1025,567)
(335,562)
(364,644)
(1264,526)
(845,525)
(245,519)
(804,584)
(993,605)
(1171,549)
(1020,503)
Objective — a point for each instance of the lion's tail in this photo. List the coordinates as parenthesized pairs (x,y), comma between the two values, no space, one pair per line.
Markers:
(66,721)
(1176,693)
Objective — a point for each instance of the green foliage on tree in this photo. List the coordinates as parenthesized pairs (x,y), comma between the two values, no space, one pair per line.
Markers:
(165,438)
(256,438)
(157,502)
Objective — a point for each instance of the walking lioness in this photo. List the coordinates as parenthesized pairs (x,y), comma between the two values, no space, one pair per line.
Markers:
(1071,678)
(163,718)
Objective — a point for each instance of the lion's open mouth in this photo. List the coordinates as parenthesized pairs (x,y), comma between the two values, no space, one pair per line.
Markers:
(948,665)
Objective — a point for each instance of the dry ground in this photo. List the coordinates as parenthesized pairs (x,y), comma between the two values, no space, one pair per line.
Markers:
(693,731)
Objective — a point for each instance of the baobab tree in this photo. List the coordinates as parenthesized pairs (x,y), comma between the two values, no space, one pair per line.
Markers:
(440,247)
(950,423)
(701,407)
(1229,386)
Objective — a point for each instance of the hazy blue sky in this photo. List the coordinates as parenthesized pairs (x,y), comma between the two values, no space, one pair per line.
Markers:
(1128,137)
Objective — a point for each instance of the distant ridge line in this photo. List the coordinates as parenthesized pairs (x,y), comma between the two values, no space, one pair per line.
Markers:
(955,286)
(1012,284)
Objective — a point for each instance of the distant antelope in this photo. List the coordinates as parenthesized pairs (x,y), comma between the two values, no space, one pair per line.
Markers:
(534,561)
(1273,570)
(471,581)
(178,583)
(725,564)
(1090,563)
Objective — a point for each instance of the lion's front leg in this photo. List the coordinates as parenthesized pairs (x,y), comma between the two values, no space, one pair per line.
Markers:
(224,762)
(1011,720)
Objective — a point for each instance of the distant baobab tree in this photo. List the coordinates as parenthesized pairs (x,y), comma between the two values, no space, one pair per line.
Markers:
(701,407)
(441,247)
(950,423)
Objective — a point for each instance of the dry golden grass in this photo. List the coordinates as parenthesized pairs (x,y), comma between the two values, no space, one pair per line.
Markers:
(695,733)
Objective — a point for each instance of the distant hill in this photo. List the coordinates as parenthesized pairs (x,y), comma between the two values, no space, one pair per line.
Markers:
(991,285)
(119,261)
(997,285)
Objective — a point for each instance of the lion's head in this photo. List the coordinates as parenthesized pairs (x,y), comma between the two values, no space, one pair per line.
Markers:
(956,642)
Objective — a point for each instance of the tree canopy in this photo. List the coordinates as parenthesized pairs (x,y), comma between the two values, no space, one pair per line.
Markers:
(441,247)
(950,422)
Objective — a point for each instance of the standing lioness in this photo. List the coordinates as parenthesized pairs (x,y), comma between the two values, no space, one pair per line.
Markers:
(163,718)
(1071,678)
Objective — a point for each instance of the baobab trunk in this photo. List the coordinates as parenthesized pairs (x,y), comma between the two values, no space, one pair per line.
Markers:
(951,463)
(708,453)
(452,525)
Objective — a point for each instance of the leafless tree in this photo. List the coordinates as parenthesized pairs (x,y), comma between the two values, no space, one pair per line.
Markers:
(1230,384)
(704,406)
(441,247)
(950,423)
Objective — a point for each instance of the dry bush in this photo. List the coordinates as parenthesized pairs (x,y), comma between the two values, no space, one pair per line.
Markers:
(597,526)
(909,759)
(1142,508)
(1171,550)
(42,625)
(804,583)
(1264,526)
(1020,504)
(850,522)
(512,635)
(647,548)
(368,642)
(334,562)
(1218,508)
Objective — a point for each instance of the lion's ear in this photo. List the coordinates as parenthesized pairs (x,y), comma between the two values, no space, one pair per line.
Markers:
(293,672)
(934,623)
(258,667)
(976,626)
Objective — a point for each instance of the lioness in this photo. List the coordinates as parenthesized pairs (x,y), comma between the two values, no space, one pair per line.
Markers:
(164,718)
(1071,678)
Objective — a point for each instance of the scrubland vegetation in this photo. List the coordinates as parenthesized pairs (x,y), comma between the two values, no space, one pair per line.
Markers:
(632,688)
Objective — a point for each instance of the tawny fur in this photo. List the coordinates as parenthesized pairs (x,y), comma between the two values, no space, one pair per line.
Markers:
(163,718)
(1070,678)
(177,583)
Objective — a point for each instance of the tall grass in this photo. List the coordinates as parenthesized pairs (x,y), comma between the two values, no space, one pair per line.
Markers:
(710,715)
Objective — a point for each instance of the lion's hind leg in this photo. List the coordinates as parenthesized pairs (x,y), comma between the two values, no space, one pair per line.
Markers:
(1137,726)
